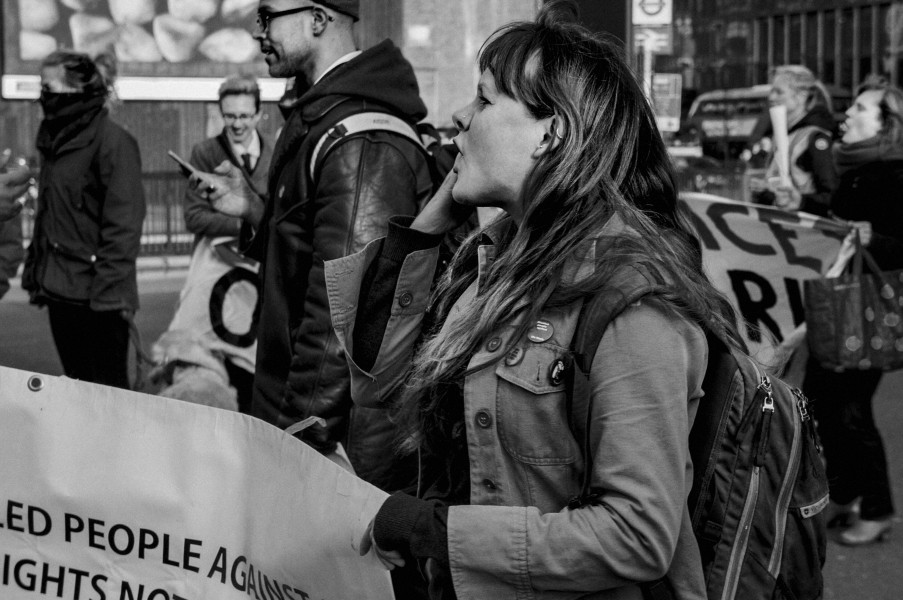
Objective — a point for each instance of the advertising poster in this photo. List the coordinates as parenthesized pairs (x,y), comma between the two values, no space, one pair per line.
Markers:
(166,49)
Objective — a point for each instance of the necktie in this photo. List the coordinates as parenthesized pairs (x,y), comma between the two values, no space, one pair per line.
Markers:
(246,162)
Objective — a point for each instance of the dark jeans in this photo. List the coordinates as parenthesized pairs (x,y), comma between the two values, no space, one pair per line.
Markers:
(93,346)
(856,463)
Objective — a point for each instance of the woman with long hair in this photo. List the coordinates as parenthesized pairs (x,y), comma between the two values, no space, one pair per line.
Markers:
(869,159)
(562,139)
(810,132)
(87,233)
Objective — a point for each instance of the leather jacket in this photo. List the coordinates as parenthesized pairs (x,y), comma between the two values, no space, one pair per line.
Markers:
(363,180)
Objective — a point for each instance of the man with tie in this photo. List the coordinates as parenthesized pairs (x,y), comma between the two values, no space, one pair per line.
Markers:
(242,145)
(239,143)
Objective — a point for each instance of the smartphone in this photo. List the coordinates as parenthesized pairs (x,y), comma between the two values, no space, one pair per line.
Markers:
(184,166)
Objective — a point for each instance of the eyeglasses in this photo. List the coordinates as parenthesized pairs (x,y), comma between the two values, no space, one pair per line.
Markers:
(264,17)
(240,116)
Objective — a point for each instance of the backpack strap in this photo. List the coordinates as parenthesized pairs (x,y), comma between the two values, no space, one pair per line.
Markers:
(357,123)
(597,311)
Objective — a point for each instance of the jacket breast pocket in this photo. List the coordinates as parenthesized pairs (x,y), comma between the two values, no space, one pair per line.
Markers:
(532,406)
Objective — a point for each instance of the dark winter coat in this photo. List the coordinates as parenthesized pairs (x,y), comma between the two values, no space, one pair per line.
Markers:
(87,231)
(873,192)
(364,179)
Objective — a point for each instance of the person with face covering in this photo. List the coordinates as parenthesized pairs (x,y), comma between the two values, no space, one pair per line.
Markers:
(559,136)
(810,126)
(81,263)
(869,159)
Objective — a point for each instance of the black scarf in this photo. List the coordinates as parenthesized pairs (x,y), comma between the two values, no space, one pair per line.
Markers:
(851,156)
(65,115)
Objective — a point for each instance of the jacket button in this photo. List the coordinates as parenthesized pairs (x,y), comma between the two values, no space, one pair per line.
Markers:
(514,356)
(484,419)
(405,299)
(489,484)
(493,344)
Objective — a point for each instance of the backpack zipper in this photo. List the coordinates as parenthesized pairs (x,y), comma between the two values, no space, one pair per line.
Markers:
(732,577)
(783,507)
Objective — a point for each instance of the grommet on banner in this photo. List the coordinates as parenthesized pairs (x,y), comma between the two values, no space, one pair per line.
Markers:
(35,383)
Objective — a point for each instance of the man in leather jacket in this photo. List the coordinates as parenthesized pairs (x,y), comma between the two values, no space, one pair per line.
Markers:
(316,214)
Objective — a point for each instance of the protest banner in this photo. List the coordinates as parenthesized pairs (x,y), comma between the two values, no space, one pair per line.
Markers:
(115,495)
(759,257)
(219,301)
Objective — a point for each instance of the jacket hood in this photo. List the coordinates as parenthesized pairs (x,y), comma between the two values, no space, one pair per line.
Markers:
(380,74)
(819,116)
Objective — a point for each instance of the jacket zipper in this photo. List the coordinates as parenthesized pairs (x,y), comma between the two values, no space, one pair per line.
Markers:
(780,523)
(738,553)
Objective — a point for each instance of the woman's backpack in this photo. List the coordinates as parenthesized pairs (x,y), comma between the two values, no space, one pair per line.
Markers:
(759,485)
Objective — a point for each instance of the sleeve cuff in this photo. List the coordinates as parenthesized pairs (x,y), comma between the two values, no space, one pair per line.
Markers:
(401,240)
(408,524)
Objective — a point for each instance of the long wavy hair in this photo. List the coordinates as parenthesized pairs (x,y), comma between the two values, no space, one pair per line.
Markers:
(610,160)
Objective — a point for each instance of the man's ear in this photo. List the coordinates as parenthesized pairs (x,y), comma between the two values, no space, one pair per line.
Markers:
(321,19)
(552,135)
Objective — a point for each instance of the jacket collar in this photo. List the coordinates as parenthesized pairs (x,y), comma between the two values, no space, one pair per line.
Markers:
(580,265)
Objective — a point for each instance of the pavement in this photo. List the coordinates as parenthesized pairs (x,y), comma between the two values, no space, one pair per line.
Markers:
(868,573)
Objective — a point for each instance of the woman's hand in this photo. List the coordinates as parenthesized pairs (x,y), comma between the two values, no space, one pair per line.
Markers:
(228,192)
(787,197)
(442,213)
(389,558)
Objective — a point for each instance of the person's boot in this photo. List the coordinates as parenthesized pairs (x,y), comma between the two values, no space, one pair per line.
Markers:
(866,532)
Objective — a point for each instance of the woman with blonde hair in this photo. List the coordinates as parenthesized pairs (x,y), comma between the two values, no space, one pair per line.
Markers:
(810,129)
(561,138)
(869,159)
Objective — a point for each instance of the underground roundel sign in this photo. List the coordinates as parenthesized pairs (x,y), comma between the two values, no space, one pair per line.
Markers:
(652,12)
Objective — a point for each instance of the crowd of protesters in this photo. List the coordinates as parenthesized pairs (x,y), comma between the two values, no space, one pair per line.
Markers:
(419,361)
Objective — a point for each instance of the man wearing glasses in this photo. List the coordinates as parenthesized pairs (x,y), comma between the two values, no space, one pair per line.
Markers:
(240,145)
(323,211)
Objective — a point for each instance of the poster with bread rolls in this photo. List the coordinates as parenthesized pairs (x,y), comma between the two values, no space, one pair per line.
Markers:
(149,38)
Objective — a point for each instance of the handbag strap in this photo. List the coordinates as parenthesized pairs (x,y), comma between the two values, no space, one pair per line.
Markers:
(862,253)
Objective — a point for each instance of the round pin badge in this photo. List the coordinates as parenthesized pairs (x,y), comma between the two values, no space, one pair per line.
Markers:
(540,332)
(821,144)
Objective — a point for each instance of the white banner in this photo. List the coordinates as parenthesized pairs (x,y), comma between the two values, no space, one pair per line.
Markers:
(218,302)
(759,257)
(113,495)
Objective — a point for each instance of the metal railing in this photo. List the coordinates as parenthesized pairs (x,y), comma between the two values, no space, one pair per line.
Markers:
(164,231)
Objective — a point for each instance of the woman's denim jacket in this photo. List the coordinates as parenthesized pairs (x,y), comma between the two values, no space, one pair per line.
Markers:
(517,538)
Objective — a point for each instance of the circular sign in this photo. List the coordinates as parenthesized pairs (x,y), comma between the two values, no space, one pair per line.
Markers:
(652,7)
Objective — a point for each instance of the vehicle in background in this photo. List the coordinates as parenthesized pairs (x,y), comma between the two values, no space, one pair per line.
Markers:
(726,122)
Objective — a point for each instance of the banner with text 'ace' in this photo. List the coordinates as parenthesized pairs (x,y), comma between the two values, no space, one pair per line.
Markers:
(107,494)
(759,257)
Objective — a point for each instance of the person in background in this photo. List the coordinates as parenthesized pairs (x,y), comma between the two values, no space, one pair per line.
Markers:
(811,126)
(561,137)
(81,263)
(869,159)
(314,213)
(13,184)
(240,144)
